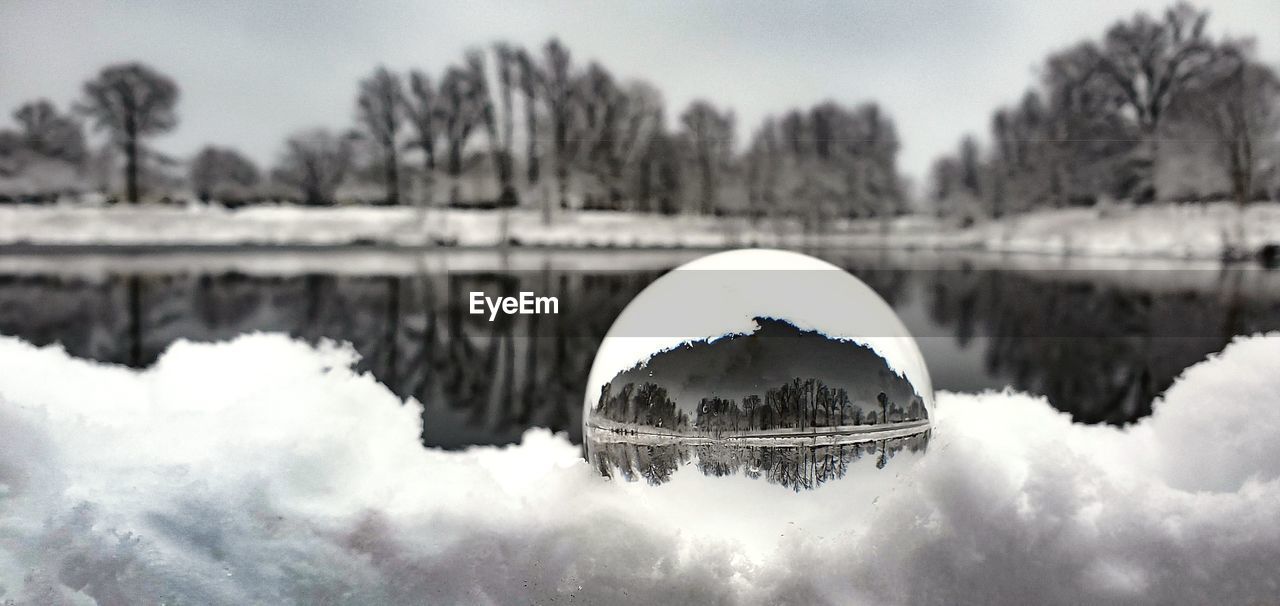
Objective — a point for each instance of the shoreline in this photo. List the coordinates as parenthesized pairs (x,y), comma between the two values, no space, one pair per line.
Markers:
(1216,232)
(365,259)
(131,249)
(847,434)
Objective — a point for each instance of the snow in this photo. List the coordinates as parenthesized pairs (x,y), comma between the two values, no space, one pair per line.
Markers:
(206,225)
(263,470)
(1191,231)
(1188,231)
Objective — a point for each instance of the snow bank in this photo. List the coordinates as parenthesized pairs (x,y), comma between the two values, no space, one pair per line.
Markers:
(1200,231)
(201,225)
(265,471)
(1186,231)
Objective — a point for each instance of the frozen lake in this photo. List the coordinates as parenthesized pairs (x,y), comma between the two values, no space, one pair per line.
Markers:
(1101,339)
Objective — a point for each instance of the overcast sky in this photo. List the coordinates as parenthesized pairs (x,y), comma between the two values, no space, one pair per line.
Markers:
(253,72)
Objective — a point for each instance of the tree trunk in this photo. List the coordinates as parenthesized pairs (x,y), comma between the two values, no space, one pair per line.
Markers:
(1242,169)
(1145,192)
(428,178)
(393,176)
(131,168)
(455,171)
(708,188)
(532,167)
(532,160)
(1241,160)
(507,195)
(562,189)
(562,159)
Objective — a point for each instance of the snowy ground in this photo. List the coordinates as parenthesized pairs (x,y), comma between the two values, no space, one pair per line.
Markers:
(1191,231)
(1186,231)
(405,226)
(264,471)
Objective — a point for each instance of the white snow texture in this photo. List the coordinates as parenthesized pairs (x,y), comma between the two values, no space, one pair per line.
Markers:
(264,470)
(1193,231)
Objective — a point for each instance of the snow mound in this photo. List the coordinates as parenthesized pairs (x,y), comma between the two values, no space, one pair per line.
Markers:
(264,470)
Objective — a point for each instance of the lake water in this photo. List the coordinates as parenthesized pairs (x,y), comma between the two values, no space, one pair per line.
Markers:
(1101,340)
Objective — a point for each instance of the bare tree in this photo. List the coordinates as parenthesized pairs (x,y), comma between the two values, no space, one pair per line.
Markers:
(640,122)
(614,128)
(131,101)
(871,152)
(830,160)
(222,173)
(11,160)
(378,111)
(530,84)
(763,162)
(598,104)
(1016,171)
(1150,62)
(659,172)
(1238,105)
(315,163)
(1075,142)
(557,94)
(970,170)
(506,65)
(710,133)
(1237,108)
(499,139)
(422,108)
(461,110)
(1093,129)
(944,182)
(47,132)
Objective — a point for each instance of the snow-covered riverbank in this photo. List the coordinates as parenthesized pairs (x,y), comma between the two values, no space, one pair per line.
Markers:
(392,226)
(1183,232)
(263,470)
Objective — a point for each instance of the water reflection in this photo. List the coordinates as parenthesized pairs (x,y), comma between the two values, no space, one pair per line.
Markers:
(798,464)
(481,381)
(1100,344)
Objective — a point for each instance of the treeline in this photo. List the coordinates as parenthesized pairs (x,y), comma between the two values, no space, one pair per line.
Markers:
(797,404)
(505,126)
(1137,115)
(646,404)
(1154,109)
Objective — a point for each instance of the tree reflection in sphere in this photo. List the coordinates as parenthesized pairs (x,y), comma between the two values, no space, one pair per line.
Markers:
(762,365)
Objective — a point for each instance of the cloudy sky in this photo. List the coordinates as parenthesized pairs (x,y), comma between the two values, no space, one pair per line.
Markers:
(251,73)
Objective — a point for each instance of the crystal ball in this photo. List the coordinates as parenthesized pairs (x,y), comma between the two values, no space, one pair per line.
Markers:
(760,364)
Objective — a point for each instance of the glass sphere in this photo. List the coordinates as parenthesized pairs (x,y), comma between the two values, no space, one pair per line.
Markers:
(763,364)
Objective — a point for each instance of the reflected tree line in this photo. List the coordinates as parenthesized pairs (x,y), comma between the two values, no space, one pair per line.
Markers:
(1100,348)
(1107,352)
(794,466)
(414,333)
(1101,351)
(797,404)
